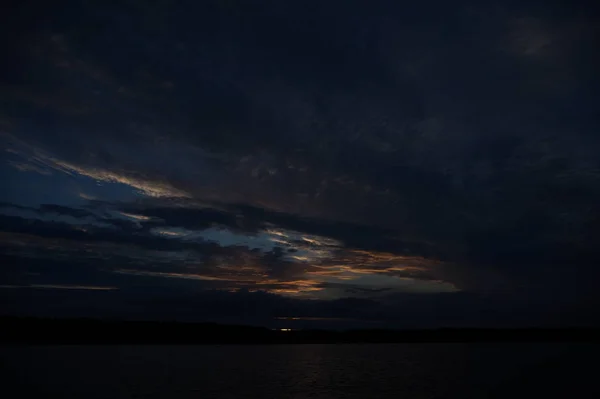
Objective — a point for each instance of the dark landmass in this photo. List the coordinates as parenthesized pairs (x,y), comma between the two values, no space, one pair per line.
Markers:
(17,330)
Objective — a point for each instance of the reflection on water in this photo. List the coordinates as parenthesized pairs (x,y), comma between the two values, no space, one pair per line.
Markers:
(299,371)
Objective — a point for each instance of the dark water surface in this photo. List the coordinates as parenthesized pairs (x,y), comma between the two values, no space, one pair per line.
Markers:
(473,370)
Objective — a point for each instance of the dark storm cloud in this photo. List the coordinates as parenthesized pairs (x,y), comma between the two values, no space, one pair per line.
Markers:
(312,144)
(63,210)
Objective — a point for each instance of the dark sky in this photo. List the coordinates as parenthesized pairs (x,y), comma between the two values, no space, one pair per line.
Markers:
(350,162)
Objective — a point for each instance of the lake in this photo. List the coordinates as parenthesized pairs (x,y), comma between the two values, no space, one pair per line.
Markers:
(463,370)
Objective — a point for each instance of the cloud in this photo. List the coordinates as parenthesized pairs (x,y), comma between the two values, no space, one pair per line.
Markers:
(170,275)
(276,260)
(61,287)
(393,151)
(135,217)
(144,186)
(24,167)
(63,210)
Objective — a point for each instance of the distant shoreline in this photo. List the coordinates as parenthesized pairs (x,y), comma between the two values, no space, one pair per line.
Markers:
(26,330)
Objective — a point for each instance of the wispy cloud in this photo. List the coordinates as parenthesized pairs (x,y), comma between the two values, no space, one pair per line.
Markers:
(40,160)
(136,217)
(147,187)
(62,287)
(187,276)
